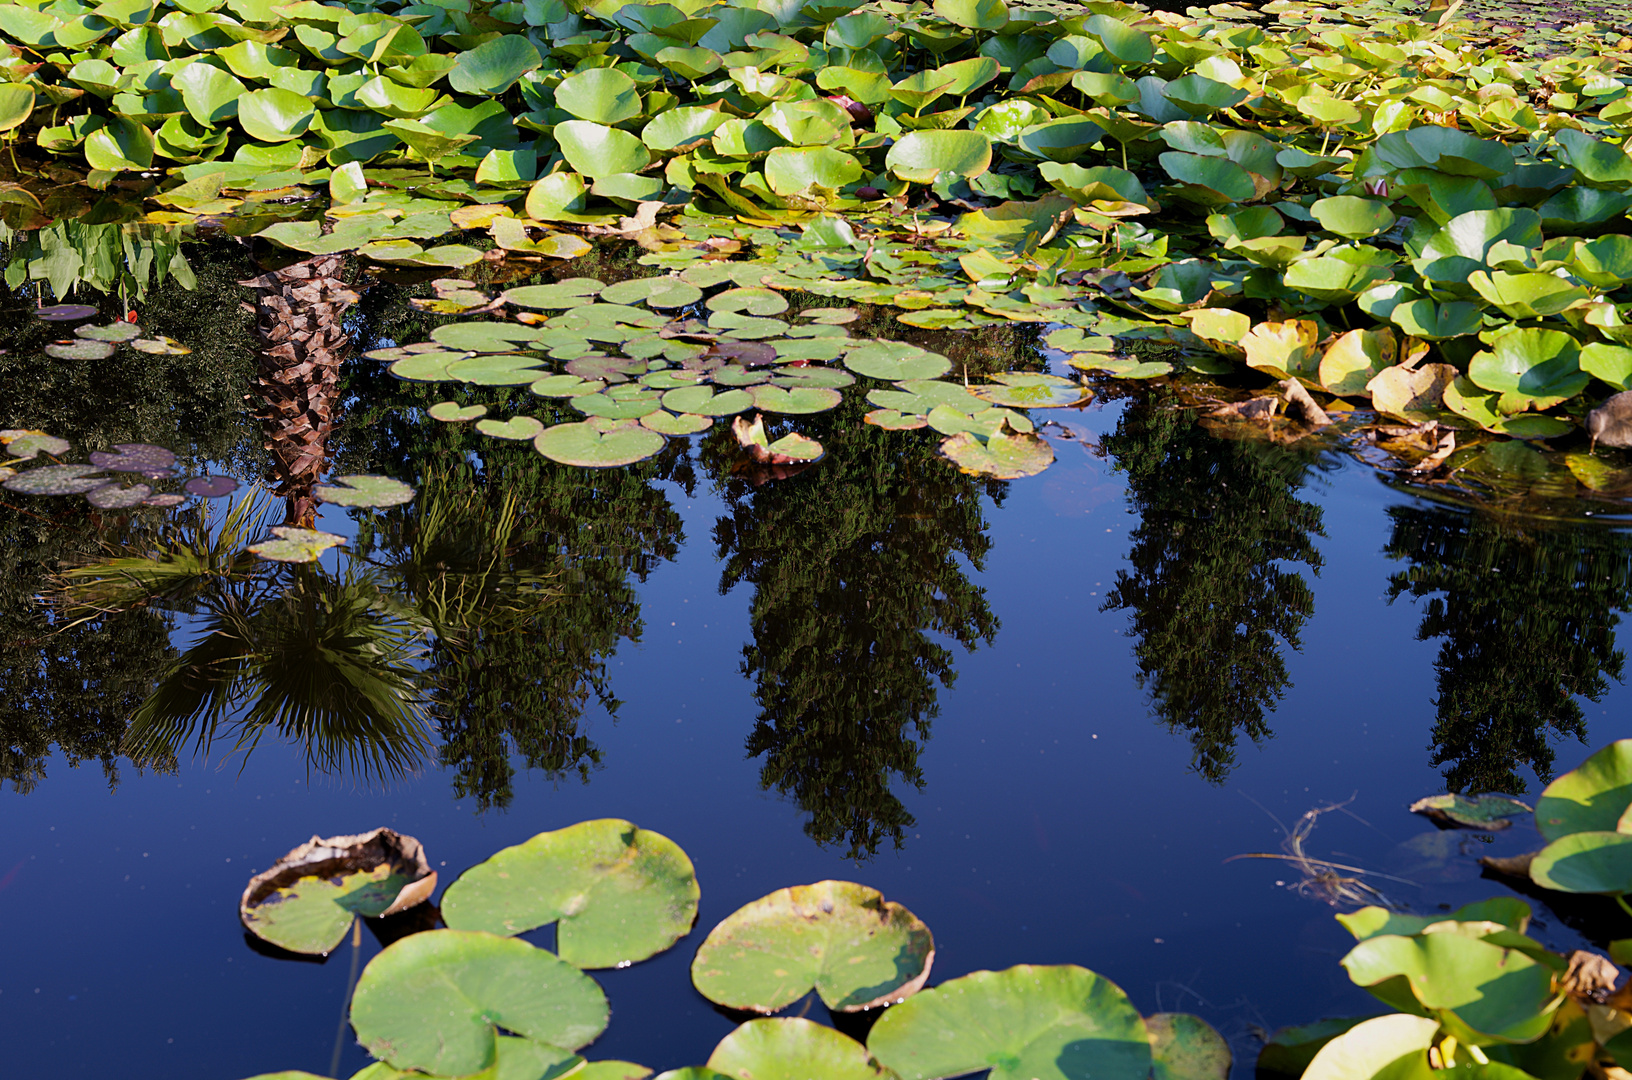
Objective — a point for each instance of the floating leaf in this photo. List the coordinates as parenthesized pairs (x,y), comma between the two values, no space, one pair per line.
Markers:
(670,424)
(1025,1023)
(1485,813)
(116,332)
(1370,1047)
(430,1001)
(296,545)
(210,487)
(1494,991)
(1592,797)
(798,400)
(705,401)
(454,413)
(792,1049)
(65,312)
(1006,457)
(922,156)
(855,948)
(365,491)
(1585,862)
(618,893)
(519,428)
(503,369)
(79,350)
(160,346)
(896,360)
(118,497)
(25,444)
(135,457)
(1018,390)
(1185,1047)
(655,292)
(493,67)
(309,899)
(55,480)
(587,445)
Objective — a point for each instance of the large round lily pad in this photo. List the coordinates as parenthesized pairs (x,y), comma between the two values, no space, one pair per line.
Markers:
(589,445)
(56,480)
(619,893)
(1491,991)
(1185,1047)
(1589,798)
(431,1001)
(311,896)
(1025,1023)
(793,1049)
(365,491)
(703,401)
(484,337)
(855,948)
(895,361)
(1006,457)
(501,369)
(1022,391)
(657,292)
(800,400)
(1585,862)
(296,545)
(142,458)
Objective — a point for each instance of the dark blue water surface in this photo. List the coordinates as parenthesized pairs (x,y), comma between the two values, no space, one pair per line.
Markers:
(1043,715)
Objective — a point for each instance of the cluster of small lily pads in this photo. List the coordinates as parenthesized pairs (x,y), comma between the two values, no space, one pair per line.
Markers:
(473,999)
(674,365)
(1374,205)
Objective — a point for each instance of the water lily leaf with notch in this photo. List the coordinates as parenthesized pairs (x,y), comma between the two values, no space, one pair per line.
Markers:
(596,150)
(567,385)
(1611,363)
(1527,296)
(429,143)
(1020,390)
(1430,321)
(665,423)
(1595,796)
(589,445)
(570,293)
(974,14)
(1528,363)
(1030,1022)
(680,127)
(1000,455)
(210,94)
(1179,286)
(1460,246)
(619,403)
(116,496)
(601,95)
(921,395)
(142,458)
(1354,359)
(894,420)
(1018,226)
(115,332)
(309,899)
(493,67)
(1394,1045)
(794,171)
(1598,162)
(65,312)
(503,369)
(856,949)
(274,115)
(55,480)
(1200,96)
(1185,1047)
(793,377)
(655,292)
(799,400)
(26,443)
(894,361)
(453,413)
(296,545)
(1484,813)
(752,301)
(922,156)
(519,428)
(1480,990)
(1352,217)
(79,350)
(365,491)
(1333,278)
(618,893)
(791,1048)
(16,105)
(1586,862)
(486,337)
(430,1001)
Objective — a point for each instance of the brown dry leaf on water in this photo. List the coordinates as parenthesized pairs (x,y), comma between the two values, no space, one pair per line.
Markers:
(309,898)
(1589,975)
(1301,402)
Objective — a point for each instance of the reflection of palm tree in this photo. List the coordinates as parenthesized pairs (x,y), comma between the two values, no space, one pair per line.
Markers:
(854,566)
(1525,614)
(1210,606)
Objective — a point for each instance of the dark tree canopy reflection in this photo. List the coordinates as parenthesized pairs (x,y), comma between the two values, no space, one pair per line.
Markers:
(856,571)
(1526,615)
(1210,596)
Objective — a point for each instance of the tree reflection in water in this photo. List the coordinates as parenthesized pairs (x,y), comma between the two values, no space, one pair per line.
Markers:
(1209,592)
(855,568)
(1526,614)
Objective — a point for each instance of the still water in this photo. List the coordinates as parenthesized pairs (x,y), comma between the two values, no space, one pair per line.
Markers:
(1043,715)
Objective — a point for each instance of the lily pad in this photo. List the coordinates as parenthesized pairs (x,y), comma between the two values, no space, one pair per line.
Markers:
(55,480)
(79,350)
(210,487)
(1592,797)
(1585,862)
(704,401)
(895,361)
(309,898)
(665,423)
(1492,991)
(619,893)
(26,444)
(1185,1047)
(1484,813)
(453,413)
(1044,392)
(135,457)
(430,1001)
(365,491)
(65,312)
(519,428)
(799,400)
(118,496)
(296,545)
(1025,1023)
(792,1049)
(587,445)
(502,369)
(115,332)
(1006,457)
(857,950)
(656,292)
(573,292)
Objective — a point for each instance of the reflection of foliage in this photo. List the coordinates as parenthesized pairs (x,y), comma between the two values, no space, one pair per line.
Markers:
(1210,606)
(73,686)
(1526,618)
(114,260)
(854,567)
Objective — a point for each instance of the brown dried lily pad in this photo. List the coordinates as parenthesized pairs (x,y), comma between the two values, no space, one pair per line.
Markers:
(309,899)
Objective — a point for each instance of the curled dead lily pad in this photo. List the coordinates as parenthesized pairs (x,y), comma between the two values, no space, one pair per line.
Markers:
(309,898)
(1484,813)
(856,949)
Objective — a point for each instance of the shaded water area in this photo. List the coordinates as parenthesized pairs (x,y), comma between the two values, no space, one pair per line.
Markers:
(1042,714)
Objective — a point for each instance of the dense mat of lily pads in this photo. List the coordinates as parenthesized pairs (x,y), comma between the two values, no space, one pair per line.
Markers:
(1364,203)
(1472,991)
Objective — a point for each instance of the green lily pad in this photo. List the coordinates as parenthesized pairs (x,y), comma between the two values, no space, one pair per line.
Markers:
(895,420)
(704,401)
(1592,797)
(1585,862)
(665,423)
(922,156)
(571,293)
(895,361)
(1025,1023)
(655,292)
(1490,990)
(118,332)
(792,1049)
(1372,1046)
(1352,217)
(79,350)
(519,428)
(800,400)
(855,948)
(1031,393)
(365,491)
(502,369)
(1485,813)
(749,302)
(309,899)
(56,480)
(1531,363)
(595,150)
(430,1001)
(296,545)
(275,115)
(493,67)
(1005,457)
(793,376)
(601,95)
(26,444)
(425,367)
(922,395)
(587,445)
(619,893)
(567,385)
(452,412)
(615,403)
(1185,1047)
(484,337)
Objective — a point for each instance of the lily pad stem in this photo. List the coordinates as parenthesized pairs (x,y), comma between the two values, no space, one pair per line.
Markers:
(345,999)
(1620,898)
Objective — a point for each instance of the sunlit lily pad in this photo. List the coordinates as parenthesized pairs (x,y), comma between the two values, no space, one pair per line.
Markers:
(296,545)
(655,292)
(454,413)
(587,445)
(1485,813)
(706,401)
(618,893)
(895,361)
(365,491)
(309,898)
(114,332)
(79,350)
(666,423)
(1018,391)
(1025,1023)
(799,400)
(431,1001)
(1006,457)
(792,1049)
(855,948)
(1185,1047)
(501,369)
(25,444)
(56,480)
(118,496)
(1592,797)
(135,457)
(210,487)
(519,428)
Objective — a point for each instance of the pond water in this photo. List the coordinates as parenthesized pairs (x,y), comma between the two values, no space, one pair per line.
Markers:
(1042,714)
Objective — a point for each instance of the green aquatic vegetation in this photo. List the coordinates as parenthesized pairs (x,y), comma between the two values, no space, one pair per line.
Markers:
(1484,813)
